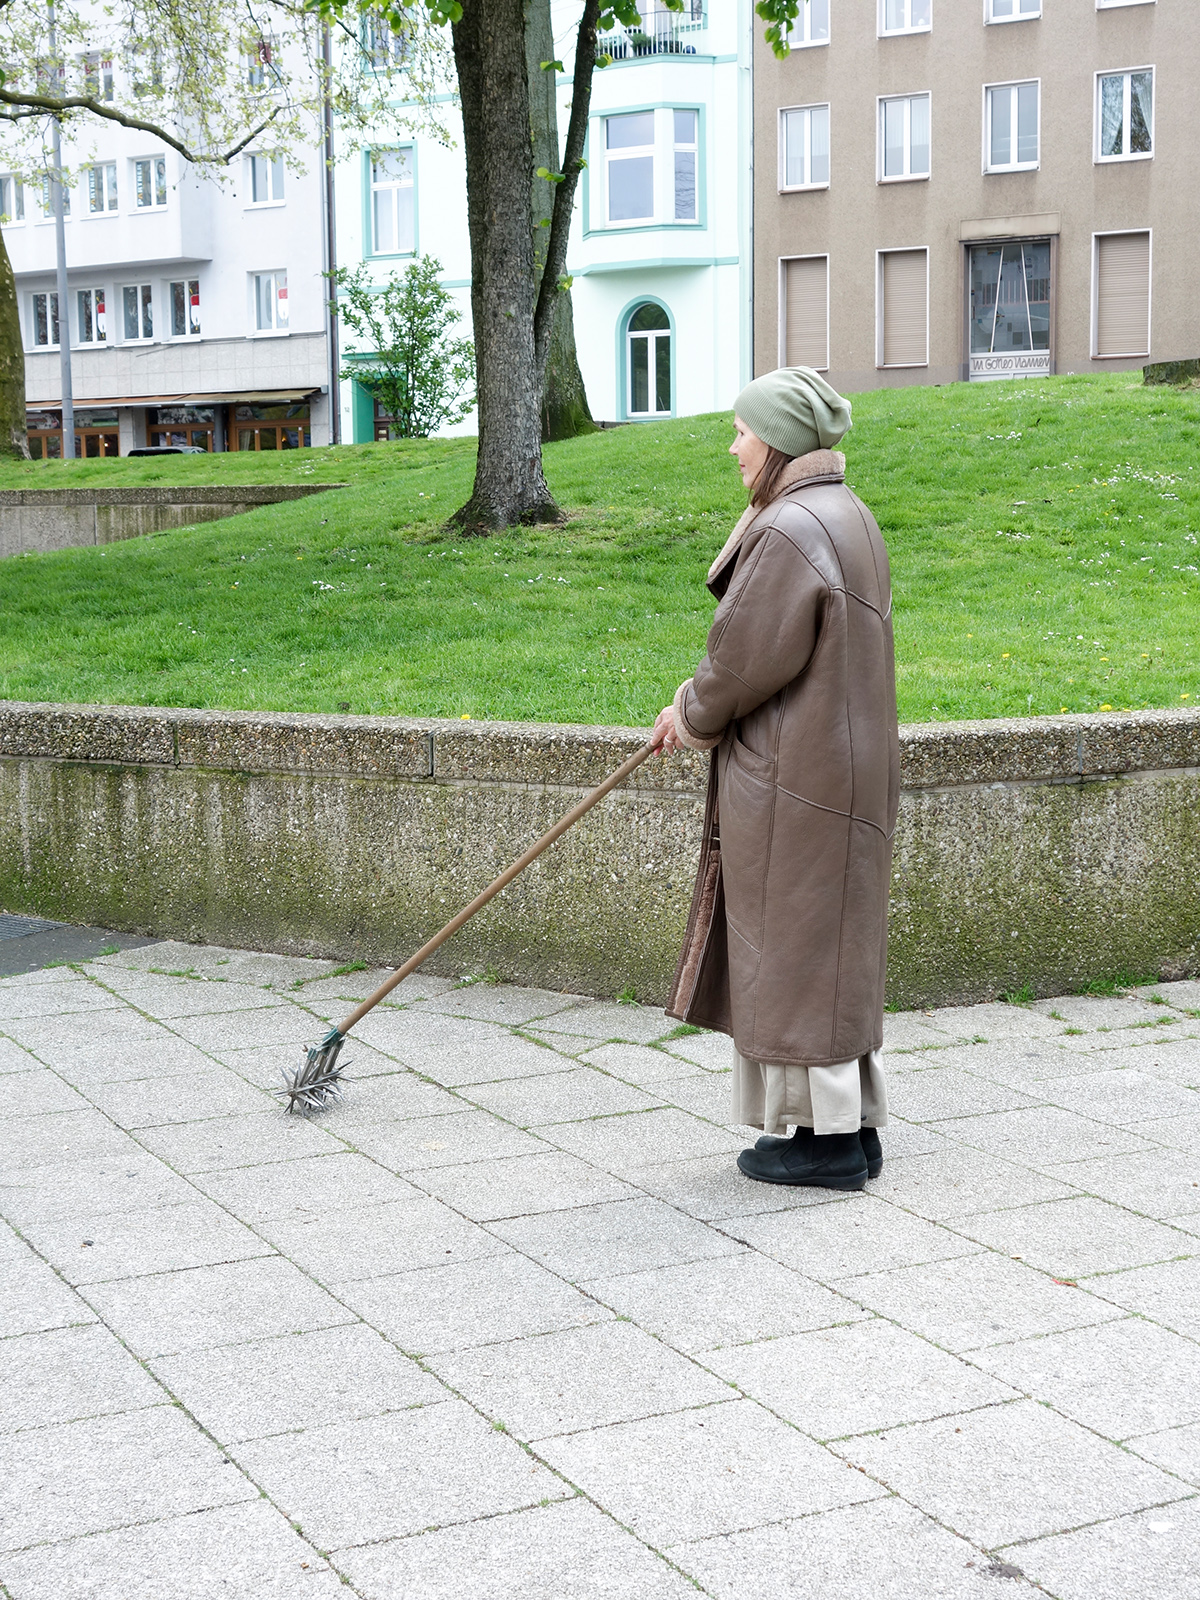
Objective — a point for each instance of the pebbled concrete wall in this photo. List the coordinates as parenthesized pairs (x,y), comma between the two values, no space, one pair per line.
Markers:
(55,519)
(1051,852)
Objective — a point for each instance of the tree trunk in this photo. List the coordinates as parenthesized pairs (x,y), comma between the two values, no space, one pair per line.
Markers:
(565,410)
(13,441)
(489,53)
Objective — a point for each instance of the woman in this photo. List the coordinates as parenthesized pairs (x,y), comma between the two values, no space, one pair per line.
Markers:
(786,942)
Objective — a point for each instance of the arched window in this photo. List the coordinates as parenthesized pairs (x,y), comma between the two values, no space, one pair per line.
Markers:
(648,362)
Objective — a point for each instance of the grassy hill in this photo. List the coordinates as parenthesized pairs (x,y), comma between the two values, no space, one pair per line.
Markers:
(1043,538)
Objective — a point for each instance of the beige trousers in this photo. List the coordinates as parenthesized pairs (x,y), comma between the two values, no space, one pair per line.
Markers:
(837,1099)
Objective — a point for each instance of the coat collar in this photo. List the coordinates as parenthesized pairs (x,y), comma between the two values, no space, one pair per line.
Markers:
(825,464)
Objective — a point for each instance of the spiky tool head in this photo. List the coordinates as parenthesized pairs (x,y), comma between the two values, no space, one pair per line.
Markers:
(316,1080)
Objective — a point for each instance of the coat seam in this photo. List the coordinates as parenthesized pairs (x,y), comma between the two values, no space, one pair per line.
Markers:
(833,811)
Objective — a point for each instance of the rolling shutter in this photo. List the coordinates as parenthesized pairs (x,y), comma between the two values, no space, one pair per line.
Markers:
(905,308)
(806,313)
(1123,294)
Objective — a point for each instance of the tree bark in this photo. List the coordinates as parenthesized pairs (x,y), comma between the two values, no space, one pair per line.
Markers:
(13,441)
(565,410)
(489,53)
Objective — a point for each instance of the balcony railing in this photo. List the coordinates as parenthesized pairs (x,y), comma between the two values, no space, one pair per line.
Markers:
(664,34)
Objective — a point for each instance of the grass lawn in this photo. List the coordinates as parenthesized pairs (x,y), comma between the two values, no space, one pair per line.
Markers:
(1043,538)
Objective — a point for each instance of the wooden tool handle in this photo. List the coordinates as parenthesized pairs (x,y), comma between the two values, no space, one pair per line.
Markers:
(494,888)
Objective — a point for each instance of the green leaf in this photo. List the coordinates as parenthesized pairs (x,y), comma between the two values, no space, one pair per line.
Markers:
(552,66)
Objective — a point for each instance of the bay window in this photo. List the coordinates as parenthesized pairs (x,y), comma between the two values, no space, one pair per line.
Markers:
(652,166)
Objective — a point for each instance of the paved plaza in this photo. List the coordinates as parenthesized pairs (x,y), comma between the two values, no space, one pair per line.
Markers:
(509,1325)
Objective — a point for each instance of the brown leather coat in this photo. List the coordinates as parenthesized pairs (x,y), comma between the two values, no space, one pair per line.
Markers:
(787,939)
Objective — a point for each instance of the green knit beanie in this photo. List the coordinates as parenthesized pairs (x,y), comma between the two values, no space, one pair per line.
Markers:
(795,410)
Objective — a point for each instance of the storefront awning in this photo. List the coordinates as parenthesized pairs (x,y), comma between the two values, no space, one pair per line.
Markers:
(248,397)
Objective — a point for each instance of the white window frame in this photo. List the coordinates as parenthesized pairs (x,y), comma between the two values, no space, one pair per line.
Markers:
(903,249)
(274,174)
(188,336)
(1111,5)
(637,152)
(784,112)
(902,177)
(989,18)
(1012,166)
(139,338)
(153,162)
(884,32)
(17,219)
(46,199)
(276,329)
(79,340)
(814,255)
(393,187)
(48,294)
(109,188)
(1130,355)
(97,66)
(1127,73)
(800,38)
(692,149)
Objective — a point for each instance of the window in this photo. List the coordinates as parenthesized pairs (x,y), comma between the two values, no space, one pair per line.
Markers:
(97,75)
(1010,309)
(146,64)
(905,16)
(1011,127)
(811,26)
(45,319)
(266,180)
(385,49)
(1121,294)
(804,147)
(1013,10)
(904,137)
(48,197)
(1124,115)
(12,199)
(649,361)
(638,147)
(804,326)
(150,182)
(1103,5)
(91,322)
(137,301)
(903,301)
(270,301)
(260,55)
(184,299)
(102,188)
(392,202)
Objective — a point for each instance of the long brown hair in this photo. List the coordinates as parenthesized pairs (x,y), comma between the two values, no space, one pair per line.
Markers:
(762,490)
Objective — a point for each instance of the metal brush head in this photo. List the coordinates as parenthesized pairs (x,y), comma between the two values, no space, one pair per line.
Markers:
(316,1080)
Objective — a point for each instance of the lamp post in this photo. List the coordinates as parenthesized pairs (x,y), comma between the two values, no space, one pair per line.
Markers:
(60,246)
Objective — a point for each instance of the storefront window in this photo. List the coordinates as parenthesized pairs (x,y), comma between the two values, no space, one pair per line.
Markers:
(1010,309)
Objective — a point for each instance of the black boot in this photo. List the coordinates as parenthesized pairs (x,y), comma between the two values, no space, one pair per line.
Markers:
(872,1148)
(821,1160)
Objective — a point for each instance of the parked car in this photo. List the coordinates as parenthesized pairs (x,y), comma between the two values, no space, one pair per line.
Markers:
(166,450)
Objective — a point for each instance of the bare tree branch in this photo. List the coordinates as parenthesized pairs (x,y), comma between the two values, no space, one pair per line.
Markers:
(47,105)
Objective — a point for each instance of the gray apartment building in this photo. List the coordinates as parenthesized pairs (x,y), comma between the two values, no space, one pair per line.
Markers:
(978,189)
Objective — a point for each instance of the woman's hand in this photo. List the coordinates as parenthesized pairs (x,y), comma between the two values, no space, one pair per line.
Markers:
(664,732)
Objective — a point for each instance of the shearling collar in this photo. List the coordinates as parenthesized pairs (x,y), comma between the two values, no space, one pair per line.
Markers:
(816,464)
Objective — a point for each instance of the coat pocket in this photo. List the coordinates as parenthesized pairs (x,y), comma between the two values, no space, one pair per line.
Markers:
(747,811)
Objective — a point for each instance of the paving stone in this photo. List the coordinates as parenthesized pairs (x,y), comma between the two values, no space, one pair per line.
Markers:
(1137,1046)
(500,1002)
(15,1059)
(744,1469)
(1184,993)
(36,1299)
(40,975)
(994,1021)
(954,1183)
(1168,1292)
(1110,1378)
(354,987)
(936,1092)
(194,1097)
(219,1143)
(446,1141)
(984,1299)
(158,1055)
(884,1550)
(1011,1472)
(385,1476)
(1173,1060)
(1071,1238)
(93,1188)
(622,1236)
(712,1189)
(1152,1553)
(375,1241)
(1122,1096)
(706,1095)
(1158,1183)
(265,1064)
(577,1378)
(704,1305)
(1095,1011)
(598,1020)
(642,1137)
(205,1306)
(280,1024)
(244,1552)
(839,1381)
(1041,1136)
(295,1381)
(214,961)
(1176,1449)
(549,1553)
(107,1472)
(53,1000)
(66,1374)
(304,1188)
(901,1138)
(62,1137)
(166,998)
(713,1051)
(522,1186)
(37,1092)
(132,1244)
(638,1064)
(58,1041)
(440,1309)
(394,1097)
(908,1030)
(559,1097)
(832,1242)
(456,1050)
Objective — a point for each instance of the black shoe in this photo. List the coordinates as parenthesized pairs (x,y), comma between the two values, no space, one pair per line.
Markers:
(871,1146)
(822,1161)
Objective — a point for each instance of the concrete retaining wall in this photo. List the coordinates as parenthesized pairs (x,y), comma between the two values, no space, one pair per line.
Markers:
(54,519)
(1052,851)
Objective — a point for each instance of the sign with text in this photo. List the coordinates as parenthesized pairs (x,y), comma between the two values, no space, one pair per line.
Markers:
(1011,364)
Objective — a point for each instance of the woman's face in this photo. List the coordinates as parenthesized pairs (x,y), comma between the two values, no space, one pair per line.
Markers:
(750,451)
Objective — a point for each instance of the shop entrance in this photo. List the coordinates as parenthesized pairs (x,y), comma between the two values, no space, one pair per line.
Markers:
(181,425)
(1008,310)
(96,434)
(271,427)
